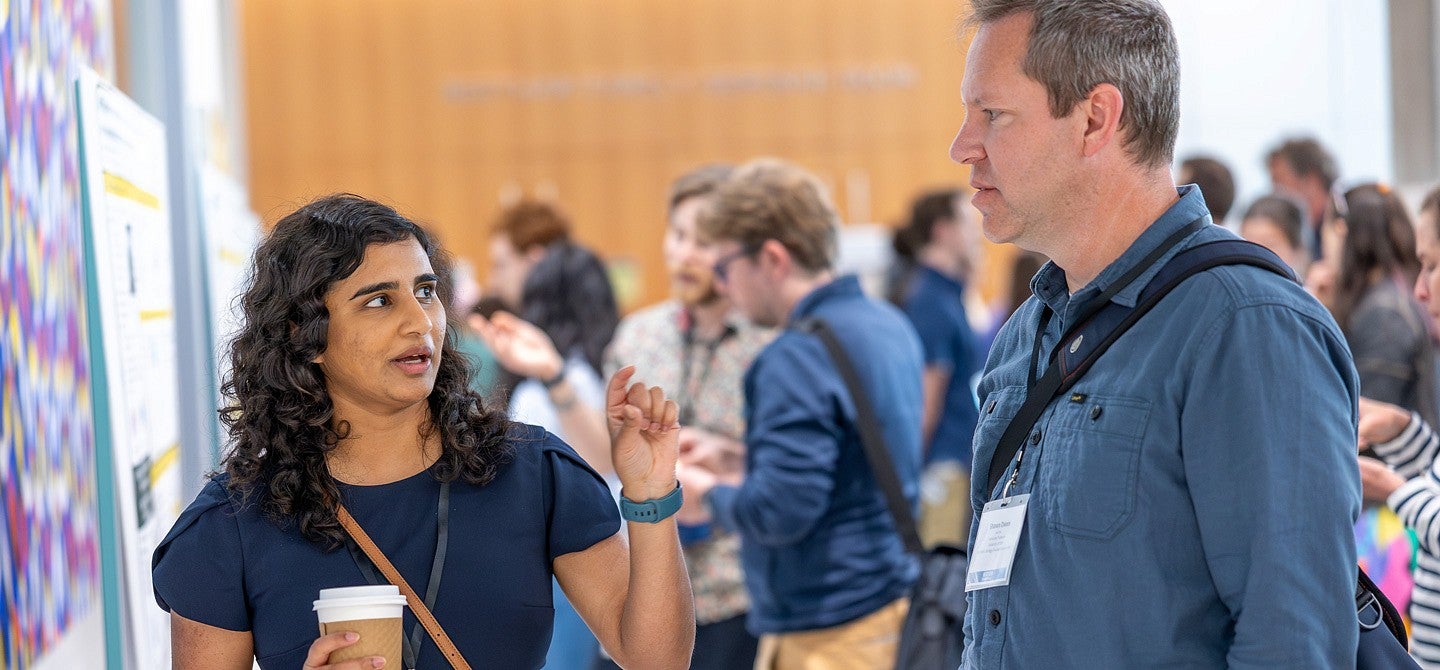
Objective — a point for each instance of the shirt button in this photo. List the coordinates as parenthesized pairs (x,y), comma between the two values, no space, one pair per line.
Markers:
(1095,412)
(994,617)
(993,403)
(1035,437)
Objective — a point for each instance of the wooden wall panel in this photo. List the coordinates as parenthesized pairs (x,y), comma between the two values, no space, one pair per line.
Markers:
(442,106)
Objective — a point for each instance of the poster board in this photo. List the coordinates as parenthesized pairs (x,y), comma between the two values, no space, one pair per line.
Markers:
(131,313)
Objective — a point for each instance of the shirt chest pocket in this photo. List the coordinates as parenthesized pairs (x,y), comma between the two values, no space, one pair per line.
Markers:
(996,412)
(1090,462)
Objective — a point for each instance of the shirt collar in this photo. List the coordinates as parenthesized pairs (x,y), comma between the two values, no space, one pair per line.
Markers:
(941,277)
(846,285)
(1049,283)
(734,322)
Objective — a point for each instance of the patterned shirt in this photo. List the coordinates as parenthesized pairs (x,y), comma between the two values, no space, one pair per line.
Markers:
(703,376)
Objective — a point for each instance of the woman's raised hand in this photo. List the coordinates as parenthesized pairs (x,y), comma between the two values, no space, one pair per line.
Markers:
(644,436)
(519,346)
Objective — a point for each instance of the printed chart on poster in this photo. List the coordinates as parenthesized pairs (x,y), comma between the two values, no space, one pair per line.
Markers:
(132,336)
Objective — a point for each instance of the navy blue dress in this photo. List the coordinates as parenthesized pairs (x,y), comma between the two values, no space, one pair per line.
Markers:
(228,566)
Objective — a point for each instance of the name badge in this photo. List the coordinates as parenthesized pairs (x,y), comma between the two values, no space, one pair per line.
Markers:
(995,544)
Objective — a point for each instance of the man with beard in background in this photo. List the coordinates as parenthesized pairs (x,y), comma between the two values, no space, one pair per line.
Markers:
(697,345)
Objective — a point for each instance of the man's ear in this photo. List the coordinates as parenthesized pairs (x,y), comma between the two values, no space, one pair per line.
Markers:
(1102,110)
(774,258)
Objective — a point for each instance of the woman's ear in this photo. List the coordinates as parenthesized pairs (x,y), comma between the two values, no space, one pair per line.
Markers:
(320,357)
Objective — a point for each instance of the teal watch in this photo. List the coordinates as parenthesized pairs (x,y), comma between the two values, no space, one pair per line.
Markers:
(654,510)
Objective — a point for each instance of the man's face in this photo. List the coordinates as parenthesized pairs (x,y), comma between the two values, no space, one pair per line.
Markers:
(1022,159)
(739,277)
(1427,247)
(1284,179)
(689,261)
(1307,188)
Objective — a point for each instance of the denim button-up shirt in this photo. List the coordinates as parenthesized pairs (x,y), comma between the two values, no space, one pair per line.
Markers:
(1192,497)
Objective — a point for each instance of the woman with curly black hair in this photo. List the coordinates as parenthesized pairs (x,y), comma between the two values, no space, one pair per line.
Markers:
(346,390)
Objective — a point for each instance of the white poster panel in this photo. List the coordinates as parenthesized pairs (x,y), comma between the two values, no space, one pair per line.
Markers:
(128,252)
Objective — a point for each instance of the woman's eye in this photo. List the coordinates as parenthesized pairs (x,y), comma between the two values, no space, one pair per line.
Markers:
(377,301)
(425,292)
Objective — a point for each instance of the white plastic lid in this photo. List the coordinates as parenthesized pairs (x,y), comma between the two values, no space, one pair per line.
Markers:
(359,602)
(359,591)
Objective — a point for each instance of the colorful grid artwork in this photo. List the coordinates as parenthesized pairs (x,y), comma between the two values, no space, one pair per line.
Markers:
(49,538)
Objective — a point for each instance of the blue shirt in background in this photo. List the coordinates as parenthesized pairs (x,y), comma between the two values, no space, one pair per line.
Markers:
(1192,497)
(818,545)
(935,304)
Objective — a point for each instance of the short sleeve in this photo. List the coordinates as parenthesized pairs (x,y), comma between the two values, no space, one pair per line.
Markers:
(937,335)
(198,569)
(581,511)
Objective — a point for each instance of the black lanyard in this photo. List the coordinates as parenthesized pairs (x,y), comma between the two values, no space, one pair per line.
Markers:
(1081,316)
(411,646)
(686,399)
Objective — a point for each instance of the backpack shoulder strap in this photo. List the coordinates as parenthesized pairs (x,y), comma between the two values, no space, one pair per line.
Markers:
(1083,344)
(1111,321)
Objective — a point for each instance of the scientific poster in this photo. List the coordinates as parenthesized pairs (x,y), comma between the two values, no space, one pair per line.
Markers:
(132,343)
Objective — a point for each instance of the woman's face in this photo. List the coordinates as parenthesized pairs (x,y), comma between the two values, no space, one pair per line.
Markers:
(1332,238)
(387,326)
(1427,247)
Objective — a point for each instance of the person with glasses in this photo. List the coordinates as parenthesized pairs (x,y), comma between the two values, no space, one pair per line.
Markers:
(697,345)
(824,565)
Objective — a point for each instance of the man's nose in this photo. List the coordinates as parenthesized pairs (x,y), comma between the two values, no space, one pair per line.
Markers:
(965,148)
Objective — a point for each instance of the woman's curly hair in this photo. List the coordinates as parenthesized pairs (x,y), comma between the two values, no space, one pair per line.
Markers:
(278,413)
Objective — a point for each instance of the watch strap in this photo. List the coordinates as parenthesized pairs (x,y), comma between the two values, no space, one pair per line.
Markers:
(653,510)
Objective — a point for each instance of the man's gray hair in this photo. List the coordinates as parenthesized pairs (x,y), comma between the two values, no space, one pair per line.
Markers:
(1076,45)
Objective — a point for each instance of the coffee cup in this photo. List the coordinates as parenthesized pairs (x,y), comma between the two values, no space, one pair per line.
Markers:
(376,613)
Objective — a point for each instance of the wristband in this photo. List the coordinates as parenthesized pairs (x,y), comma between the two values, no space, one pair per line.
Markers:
(653,510)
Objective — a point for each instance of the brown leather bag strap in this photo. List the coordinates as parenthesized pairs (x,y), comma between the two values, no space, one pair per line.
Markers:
(416,604)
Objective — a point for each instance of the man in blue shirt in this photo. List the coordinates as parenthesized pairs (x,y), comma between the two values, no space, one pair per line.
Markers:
(1186,507)
(824,566)
(935,253)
